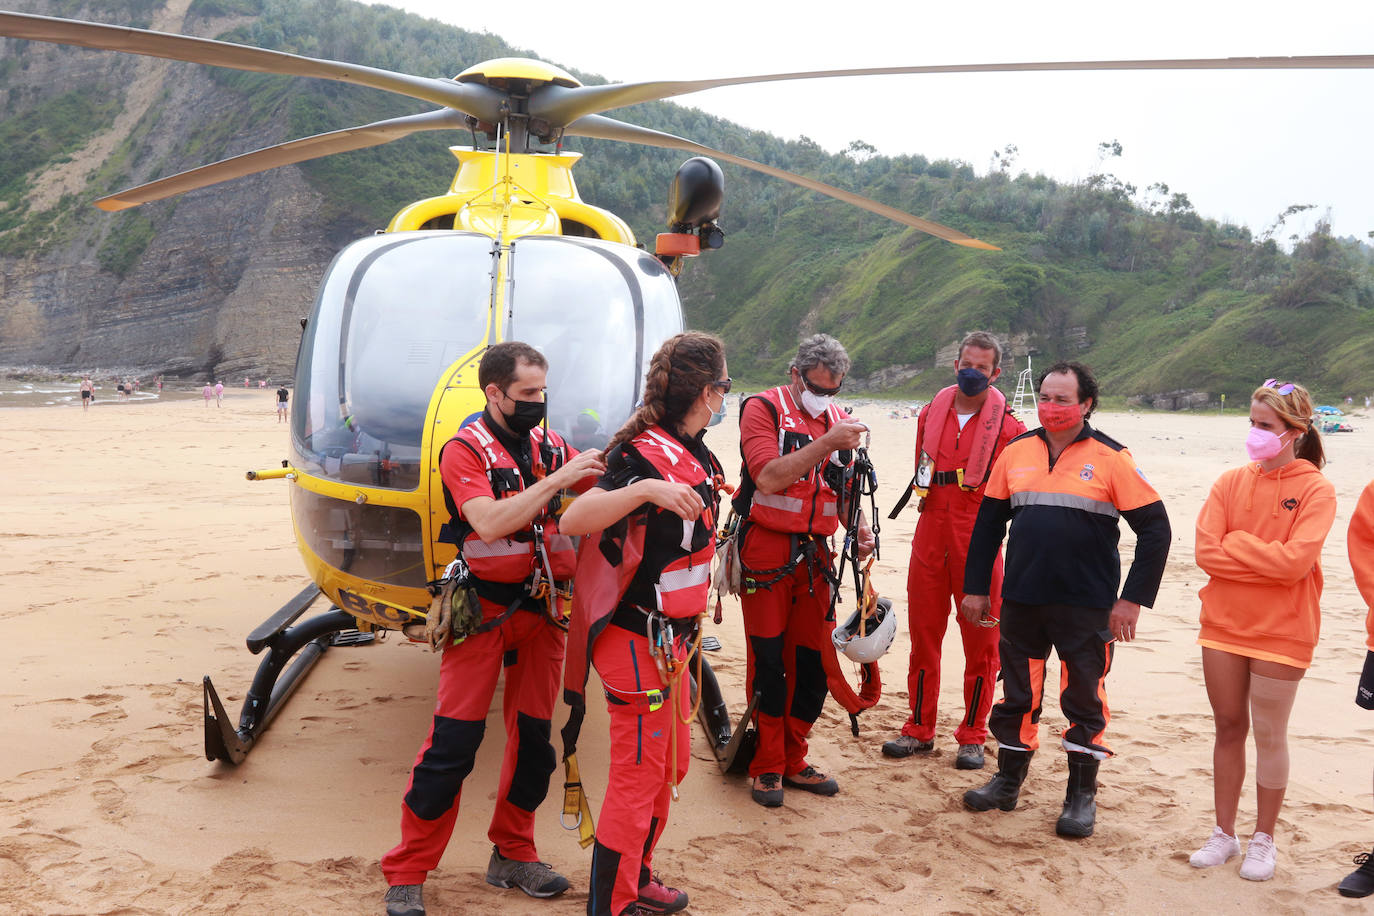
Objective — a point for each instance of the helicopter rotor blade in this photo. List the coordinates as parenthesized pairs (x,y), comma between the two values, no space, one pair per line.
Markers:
(603,128)
(563,105)
(337,141)
(469,98)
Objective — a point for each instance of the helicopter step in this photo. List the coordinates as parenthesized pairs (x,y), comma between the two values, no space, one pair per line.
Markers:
(272,686)
(732,747)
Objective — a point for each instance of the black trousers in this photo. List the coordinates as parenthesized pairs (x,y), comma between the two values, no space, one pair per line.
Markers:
(1081,639)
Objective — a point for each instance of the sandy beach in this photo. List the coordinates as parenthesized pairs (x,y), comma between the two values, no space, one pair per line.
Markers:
(138,558)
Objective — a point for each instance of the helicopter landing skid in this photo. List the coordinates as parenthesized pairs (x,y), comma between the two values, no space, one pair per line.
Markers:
(732,747)
(272,686)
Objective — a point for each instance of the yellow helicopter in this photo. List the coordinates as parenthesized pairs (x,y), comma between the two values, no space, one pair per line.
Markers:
(386,371)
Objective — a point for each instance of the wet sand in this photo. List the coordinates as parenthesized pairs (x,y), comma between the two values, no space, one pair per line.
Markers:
(140,558)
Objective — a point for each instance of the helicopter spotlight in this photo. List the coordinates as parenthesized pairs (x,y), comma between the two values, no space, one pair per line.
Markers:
(386,371)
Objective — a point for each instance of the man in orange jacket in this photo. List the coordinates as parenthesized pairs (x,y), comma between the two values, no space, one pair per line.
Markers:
(958,436)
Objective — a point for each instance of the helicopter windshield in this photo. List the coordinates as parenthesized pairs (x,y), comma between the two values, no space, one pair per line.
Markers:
(598,333)
(392,314)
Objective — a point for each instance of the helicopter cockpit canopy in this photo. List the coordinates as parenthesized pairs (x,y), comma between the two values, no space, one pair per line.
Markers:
(394,314)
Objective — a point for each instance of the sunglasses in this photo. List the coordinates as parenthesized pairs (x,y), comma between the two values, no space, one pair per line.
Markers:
(817,389)
(1285,388)
(724,384)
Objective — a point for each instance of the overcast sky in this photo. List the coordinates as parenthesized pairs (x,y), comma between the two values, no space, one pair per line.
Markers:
(1242,145)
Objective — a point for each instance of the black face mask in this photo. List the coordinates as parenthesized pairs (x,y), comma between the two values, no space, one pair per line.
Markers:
(526,416)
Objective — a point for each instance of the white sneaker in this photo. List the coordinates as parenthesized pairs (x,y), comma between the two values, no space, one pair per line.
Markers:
(1259,858)
(1219,849)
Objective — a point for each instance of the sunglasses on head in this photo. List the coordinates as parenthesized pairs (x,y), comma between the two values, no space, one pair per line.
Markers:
(724,384)
(1285,388)
(817,389)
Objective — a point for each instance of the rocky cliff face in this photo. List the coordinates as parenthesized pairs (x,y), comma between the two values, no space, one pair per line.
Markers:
(220,289)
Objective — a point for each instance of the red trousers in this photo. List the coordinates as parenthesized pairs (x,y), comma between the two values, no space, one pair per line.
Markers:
(939,550)
(530,650)
(639,788)
(787,631)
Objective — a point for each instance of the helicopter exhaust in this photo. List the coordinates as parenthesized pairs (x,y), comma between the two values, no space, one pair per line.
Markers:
(272,686)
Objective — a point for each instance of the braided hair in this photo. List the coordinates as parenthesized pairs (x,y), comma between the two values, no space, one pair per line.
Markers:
(1296,411)
(683,365)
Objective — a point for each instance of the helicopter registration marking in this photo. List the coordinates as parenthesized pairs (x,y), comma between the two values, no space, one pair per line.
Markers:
(379,612)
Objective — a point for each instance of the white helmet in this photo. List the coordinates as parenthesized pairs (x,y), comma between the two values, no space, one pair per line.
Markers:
(869,647)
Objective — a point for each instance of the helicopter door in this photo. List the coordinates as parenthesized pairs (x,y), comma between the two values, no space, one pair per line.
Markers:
(598,311)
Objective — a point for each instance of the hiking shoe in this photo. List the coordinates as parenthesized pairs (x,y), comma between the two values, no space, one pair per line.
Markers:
(534,878)
(1259,858)
(814,781)
(1219,849)
(906,746)
(1360,882)
(970,757)
(767,790)
(657,897)
(405,900)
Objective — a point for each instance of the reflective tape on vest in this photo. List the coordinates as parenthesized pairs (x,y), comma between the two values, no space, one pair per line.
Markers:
(1063,501)
(778,501)
(475,548)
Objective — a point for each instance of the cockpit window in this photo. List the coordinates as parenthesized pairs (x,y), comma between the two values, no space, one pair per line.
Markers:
(392,314)
(597,311)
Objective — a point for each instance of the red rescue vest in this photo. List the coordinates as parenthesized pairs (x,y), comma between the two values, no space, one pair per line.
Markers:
(808,505)
(986,428)
(685,580)
(512,558)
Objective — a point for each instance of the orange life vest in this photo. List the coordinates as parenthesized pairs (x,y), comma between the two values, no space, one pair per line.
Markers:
(808,505)
(512,558)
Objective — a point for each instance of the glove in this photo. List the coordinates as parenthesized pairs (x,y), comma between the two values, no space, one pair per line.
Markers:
(439,623)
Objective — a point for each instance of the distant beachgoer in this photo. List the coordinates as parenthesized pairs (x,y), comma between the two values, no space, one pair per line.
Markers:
(207,392)
(262,383)
(120,390)
(219,394)
(282,395)
(1259,539)
(159,384)
(245,381)
(87,392)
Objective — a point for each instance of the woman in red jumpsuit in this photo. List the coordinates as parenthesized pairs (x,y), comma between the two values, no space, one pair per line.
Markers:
(652,517)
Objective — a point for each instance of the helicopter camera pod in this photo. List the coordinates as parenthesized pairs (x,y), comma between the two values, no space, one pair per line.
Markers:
(712,236)
(695,196)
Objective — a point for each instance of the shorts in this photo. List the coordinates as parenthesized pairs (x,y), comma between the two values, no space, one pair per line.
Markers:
(85,395)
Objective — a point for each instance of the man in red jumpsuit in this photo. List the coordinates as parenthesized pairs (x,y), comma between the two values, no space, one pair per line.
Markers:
(794,443)
(500,472)
(958,436)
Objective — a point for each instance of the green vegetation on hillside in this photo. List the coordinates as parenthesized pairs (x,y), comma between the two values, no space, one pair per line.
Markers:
(1132,281)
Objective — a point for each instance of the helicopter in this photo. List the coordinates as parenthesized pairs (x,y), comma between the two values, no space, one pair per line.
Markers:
(387,364)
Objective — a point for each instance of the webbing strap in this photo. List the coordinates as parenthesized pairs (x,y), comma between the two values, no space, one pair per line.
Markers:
(575,804)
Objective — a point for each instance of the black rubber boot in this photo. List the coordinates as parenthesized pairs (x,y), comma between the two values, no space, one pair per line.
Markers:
(1360,882)
(1080,805)
(1004,788)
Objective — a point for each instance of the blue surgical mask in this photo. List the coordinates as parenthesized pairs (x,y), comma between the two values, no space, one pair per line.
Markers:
(718,415)
(972,382)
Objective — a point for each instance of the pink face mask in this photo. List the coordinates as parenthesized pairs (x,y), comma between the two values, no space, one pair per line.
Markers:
(1058,417)
(1261,444)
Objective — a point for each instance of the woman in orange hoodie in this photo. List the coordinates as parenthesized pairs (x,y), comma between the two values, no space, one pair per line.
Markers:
(1360,544)
(1259,539)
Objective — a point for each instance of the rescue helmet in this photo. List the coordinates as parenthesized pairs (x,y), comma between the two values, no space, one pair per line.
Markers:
(880,629)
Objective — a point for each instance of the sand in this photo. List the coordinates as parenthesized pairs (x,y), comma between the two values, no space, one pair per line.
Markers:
(136,558)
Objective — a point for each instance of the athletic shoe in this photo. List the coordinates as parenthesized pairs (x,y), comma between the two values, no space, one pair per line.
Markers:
(405,900)
(657,897)
(1259,858)
(907,746)
(970,757)
(1219,849)
(767,790)
(534,878)
(1360,882)
(814,781)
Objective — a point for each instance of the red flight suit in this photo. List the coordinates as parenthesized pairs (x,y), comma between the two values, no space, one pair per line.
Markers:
(479,461)
(786,622)
(659,563)
(935,574)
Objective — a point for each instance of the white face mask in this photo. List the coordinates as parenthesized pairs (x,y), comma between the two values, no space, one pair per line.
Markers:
(814,404)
